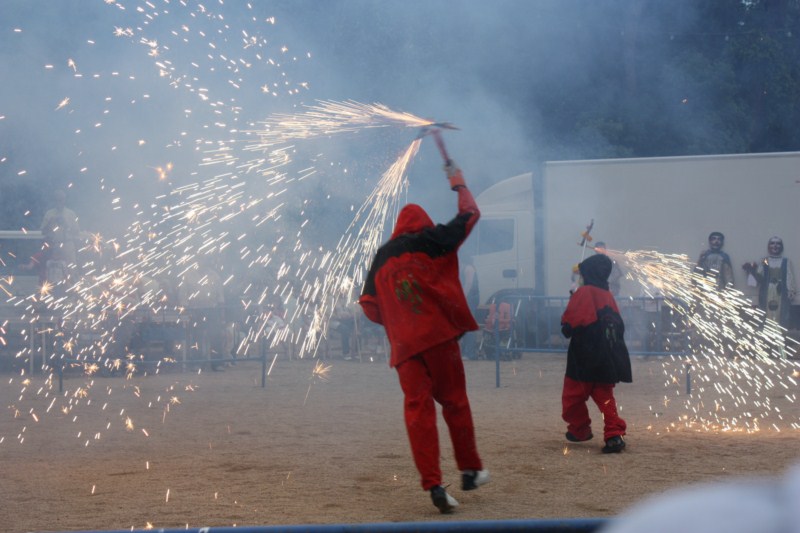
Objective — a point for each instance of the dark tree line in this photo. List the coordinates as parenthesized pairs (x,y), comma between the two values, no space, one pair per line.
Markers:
(588,78)
(683,77)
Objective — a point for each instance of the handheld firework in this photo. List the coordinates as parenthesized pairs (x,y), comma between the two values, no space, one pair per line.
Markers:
(586,238)
(454,175)
(435,130)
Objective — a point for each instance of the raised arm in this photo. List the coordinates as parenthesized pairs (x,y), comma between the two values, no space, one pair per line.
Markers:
(466,202)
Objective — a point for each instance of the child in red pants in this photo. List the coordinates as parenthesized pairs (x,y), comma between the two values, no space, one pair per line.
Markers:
(597,357)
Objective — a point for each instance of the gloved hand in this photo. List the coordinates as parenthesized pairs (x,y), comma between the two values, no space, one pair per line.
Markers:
(454,175)
(566,330)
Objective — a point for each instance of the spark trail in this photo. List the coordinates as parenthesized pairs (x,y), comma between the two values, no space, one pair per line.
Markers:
(193,222)
(174,238)
(744,365)
(238,193)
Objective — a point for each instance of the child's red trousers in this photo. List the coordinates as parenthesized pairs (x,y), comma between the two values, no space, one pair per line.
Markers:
(575,413)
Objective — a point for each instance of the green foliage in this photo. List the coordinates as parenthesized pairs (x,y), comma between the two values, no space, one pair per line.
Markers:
(691,77)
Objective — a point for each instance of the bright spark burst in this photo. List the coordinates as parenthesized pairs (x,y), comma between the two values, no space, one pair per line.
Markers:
(240,192)
(743,366)
(331,117)
(321,370)
(320,373)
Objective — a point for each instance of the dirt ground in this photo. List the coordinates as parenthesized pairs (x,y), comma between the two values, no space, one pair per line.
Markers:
(217,449)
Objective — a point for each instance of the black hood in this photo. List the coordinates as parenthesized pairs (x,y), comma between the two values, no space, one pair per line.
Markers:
(595,271)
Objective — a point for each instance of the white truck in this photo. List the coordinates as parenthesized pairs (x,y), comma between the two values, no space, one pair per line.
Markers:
(531,224)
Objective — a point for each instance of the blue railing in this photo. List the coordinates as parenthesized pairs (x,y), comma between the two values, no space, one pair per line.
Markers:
(653,326)
(566,525)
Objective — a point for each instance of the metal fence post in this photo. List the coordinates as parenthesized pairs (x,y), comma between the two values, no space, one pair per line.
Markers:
(689,378)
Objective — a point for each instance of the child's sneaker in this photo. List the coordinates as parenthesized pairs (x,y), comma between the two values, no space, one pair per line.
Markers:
(573,438)
(443,501)
(472,479)
(614,445)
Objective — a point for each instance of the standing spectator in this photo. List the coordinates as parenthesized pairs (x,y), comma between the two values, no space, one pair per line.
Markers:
(715,263)
(413,290)
(774,276)
(715,266)
(60,230)
(597,357)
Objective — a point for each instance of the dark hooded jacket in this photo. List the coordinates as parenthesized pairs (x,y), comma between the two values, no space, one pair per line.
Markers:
(413,287)
(597,352)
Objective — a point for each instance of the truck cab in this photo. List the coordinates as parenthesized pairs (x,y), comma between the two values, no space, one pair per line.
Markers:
(502,243)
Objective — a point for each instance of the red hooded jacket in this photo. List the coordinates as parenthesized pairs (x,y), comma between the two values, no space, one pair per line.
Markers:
(413,287)
(597,351)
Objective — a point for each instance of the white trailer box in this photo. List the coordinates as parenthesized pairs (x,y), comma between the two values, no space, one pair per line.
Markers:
(530,227)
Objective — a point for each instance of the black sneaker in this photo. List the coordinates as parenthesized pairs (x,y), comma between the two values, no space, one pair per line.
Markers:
(573,438)
(443,501)
(614,445)
(472,479)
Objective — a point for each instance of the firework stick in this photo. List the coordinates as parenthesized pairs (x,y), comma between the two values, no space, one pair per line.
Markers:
(585,238)
(437,136)
(434,129)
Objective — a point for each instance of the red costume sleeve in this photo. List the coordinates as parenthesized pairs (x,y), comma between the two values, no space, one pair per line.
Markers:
(466,204)
(581,310)
(371,309)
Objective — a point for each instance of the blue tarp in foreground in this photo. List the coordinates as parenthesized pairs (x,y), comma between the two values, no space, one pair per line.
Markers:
(572,525)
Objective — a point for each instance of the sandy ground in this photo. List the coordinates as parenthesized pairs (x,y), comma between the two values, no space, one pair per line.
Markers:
(217,449)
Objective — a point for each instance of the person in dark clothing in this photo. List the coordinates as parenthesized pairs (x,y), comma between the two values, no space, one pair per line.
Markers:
(597,357)
(413,290)
(715,263)
(615,278)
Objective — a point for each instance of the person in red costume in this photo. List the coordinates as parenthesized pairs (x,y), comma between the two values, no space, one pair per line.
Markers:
(413,290)
(597,357)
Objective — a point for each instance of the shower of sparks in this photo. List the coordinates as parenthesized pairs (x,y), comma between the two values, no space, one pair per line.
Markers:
(320,373)
(743,366)
(235,198)
(330,117)
(344,268)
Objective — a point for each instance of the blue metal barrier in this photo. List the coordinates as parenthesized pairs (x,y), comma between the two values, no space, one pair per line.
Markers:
(566,525)
(653,326)
(162,363)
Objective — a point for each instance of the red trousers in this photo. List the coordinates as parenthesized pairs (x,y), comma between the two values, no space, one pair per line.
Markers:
(437,375)
(575,413)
